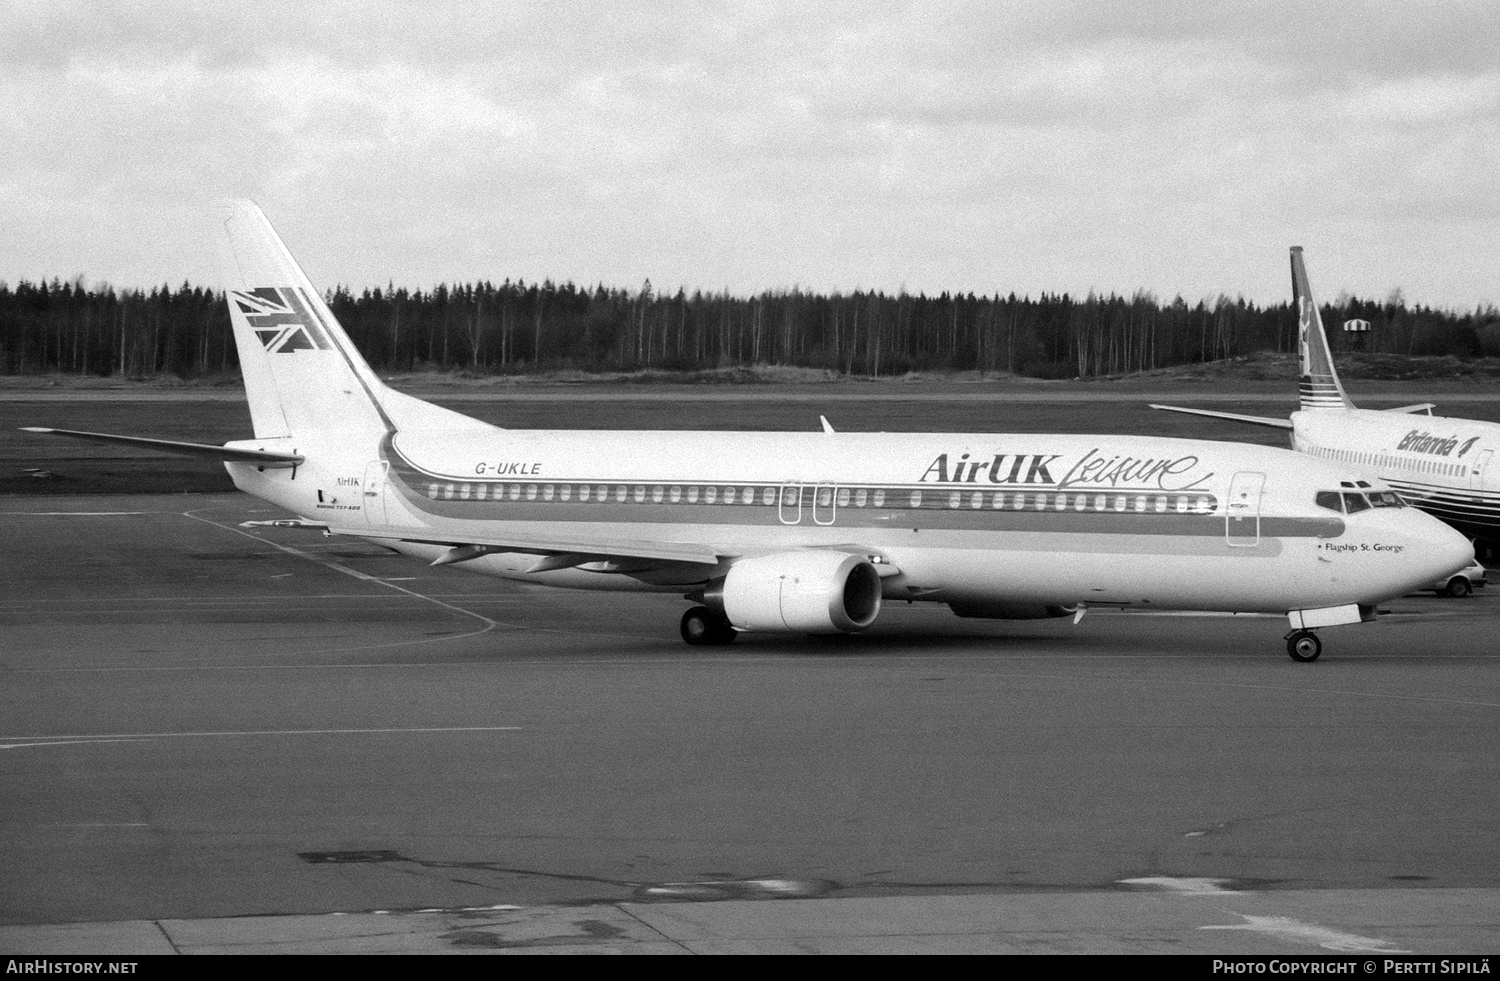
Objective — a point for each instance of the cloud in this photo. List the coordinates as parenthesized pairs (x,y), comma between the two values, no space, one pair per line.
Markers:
(1174,146)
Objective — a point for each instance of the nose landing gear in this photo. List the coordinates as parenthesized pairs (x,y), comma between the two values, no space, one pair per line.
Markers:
(1303,645)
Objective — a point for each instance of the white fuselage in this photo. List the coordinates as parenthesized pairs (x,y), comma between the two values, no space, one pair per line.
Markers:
(956,518)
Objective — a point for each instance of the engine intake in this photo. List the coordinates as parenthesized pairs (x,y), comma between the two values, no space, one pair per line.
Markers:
(812,592)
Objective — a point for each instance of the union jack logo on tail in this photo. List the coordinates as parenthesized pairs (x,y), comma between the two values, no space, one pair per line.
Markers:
(282,318)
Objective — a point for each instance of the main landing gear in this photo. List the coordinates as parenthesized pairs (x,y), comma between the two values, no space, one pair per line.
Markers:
(1303,645)
(702,627)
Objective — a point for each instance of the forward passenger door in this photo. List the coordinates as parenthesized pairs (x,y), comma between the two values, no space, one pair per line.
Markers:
(1242,517)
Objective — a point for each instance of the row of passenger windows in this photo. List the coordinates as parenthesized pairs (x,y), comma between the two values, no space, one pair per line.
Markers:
(1387,462)
(824,497)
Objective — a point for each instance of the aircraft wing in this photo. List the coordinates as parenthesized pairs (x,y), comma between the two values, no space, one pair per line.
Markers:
(269,459)
(1235,416)
(559,552)
(553,552)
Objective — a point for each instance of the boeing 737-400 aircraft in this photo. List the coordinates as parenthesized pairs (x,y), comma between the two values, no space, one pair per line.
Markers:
(801,532)
(1444,466)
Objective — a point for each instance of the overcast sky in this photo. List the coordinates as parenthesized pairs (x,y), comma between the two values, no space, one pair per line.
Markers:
(1028,147)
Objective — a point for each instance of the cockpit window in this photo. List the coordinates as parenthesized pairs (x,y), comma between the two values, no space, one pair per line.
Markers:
(1357,496)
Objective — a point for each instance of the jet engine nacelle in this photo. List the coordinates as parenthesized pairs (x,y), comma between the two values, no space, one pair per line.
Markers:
(812,592)
(1012,611)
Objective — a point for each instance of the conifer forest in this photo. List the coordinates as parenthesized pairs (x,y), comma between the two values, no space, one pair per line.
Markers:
(518,328)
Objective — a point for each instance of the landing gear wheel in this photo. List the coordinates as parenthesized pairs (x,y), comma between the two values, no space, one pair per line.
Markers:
(1458,587)
(702,627)
(1303,645)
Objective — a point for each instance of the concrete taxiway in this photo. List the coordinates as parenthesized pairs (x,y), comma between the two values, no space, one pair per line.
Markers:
(215,739)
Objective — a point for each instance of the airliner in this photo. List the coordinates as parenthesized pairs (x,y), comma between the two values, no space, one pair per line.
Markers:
(1443,466)
(800,532)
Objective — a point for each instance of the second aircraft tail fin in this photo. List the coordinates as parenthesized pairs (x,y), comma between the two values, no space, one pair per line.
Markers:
(1319,387)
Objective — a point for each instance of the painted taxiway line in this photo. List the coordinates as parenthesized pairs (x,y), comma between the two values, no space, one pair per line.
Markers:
(1282,928)
(80,514)
(23,742)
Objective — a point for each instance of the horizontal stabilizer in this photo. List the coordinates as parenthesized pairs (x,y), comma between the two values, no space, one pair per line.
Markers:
(268,459)
(1423,407)
(1235,416)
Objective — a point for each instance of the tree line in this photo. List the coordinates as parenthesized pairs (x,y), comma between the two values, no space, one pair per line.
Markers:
(514,328)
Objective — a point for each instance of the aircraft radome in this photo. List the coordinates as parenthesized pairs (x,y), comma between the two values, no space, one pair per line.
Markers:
(1443,466)
(806,532)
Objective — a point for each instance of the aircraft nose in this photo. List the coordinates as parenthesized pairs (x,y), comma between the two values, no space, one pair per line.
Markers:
(1448,551)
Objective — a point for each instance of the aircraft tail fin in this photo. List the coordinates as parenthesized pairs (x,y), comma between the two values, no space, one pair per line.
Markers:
(1319,386)
(302,373)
